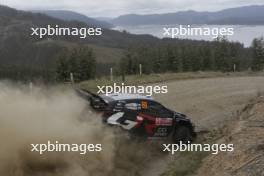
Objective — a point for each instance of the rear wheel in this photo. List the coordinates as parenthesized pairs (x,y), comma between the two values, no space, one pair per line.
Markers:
(183,134)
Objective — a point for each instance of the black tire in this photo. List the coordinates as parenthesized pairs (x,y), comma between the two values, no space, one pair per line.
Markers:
(183,134)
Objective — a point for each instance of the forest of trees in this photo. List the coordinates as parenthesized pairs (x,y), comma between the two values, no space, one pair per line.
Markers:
(220,55)
(164,56)
(189,56)
(80,62)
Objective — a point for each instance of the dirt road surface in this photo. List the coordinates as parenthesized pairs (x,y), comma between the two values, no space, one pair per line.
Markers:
(208,102)
(246,133)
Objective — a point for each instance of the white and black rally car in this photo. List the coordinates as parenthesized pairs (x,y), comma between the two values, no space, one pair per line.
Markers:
(142,116)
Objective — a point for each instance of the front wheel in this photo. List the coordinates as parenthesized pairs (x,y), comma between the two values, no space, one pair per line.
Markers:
(183,134)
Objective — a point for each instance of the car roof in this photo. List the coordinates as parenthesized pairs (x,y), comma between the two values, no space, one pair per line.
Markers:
(117,97)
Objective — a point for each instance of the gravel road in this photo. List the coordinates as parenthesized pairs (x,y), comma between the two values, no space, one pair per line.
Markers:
(211,101)
(208,102)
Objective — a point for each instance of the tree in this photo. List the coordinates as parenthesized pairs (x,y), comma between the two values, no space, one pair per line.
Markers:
(208,59)
(157,59)
(186,55)
(92,64)
(186,59)
(258,54)
(73,64)
(81,63)
(62,69)
(84,69)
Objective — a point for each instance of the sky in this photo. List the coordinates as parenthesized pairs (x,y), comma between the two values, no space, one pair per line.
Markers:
(113,8)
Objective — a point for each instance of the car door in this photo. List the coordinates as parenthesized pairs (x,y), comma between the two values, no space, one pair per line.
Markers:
(159,119)
(128,118)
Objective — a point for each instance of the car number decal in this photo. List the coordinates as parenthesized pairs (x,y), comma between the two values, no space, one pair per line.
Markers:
(144,104)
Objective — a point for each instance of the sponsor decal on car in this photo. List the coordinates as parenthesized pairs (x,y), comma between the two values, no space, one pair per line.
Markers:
(163,121)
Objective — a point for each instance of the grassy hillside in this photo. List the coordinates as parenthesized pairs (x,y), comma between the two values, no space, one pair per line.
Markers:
(27,57)
(15,27)
(74,16)
(21,52)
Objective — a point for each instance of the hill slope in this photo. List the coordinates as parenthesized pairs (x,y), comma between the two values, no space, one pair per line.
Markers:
(247,136)
(19,49)
(248,15)
(74,16)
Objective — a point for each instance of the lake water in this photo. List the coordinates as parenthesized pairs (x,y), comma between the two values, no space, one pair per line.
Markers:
(242,33)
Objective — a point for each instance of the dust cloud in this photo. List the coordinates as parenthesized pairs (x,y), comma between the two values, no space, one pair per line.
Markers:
(58,114)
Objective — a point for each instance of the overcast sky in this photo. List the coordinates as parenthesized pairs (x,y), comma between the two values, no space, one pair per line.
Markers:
(112,8)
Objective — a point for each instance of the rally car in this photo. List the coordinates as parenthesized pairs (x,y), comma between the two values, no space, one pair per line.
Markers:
(142,116)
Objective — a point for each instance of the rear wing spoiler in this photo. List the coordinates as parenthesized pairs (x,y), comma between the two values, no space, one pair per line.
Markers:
(96,102)
(85,93)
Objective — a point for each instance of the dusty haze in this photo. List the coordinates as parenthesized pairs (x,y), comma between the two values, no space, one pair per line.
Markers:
(44,114)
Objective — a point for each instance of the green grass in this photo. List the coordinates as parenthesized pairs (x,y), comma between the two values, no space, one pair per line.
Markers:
(186,164)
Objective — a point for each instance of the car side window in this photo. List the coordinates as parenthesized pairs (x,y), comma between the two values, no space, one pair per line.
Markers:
(153,107)
(132,106)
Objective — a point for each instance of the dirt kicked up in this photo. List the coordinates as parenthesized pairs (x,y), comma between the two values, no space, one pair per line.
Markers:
(34,117)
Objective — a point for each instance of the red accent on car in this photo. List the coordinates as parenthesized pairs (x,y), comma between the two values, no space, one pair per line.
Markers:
(151,125)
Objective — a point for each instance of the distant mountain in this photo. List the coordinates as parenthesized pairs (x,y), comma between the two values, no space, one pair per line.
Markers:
(74,16)
(248,15)
(107,19)
(22,53)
